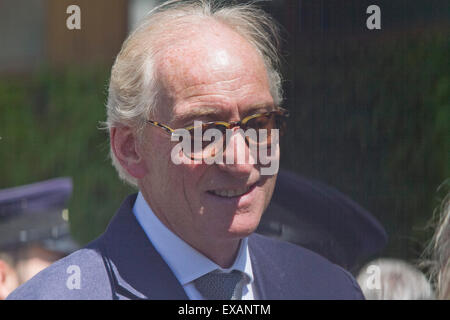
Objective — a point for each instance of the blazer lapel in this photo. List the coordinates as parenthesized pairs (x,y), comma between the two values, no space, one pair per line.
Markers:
(267,274)
(136,268)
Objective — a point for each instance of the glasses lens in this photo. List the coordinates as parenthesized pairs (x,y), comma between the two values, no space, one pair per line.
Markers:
(267,122)
(206,142)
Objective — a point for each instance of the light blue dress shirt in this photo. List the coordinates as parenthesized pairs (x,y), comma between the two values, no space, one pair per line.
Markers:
(186,262)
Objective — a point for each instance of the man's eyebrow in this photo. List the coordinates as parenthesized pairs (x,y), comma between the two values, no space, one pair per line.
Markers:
(215,112)
(197,113)
(259,109)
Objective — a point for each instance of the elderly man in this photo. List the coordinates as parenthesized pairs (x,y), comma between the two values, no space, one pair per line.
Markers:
(188,233)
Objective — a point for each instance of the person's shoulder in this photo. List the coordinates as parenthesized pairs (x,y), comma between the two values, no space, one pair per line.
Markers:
(78,276)
(306,269)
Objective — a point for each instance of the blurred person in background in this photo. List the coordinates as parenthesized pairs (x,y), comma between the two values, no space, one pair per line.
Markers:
(393,279)
(34,230)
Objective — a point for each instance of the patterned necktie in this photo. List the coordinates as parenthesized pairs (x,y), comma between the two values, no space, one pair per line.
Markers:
(218,285)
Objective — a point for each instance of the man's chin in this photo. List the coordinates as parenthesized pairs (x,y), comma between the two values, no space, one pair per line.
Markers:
(242,230)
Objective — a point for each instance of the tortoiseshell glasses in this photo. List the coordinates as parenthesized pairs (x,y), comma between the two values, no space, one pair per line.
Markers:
(268,120)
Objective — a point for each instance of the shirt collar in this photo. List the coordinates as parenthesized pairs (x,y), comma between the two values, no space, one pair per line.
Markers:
(186,262)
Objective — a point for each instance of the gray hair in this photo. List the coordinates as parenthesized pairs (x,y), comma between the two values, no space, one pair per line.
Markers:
(440,250)
(133,88)
(392,279)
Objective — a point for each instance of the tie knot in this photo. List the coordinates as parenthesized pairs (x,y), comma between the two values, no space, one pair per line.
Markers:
(218,285)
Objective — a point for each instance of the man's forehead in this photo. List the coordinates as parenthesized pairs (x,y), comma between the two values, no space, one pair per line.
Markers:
(211,61)
(206,55)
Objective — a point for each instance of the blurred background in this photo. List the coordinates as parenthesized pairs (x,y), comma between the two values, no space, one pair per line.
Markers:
(370,109)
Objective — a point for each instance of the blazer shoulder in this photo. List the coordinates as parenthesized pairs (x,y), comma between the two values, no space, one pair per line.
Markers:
(78,276)
(299,267)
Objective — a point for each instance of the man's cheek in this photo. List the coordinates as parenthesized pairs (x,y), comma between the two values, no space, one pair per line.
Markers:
(269,187)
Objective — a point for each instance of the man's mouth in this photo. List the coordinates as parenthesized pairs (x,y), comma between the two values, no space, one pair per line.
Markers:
(230,193)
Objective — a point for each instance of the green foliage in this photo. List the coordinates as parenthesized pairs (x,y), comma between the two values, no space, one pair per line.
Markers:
(49,128)
(372,118)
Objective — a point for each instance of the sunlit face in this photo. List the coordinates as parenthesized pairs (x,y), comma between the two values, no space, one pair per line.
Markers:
(215,75)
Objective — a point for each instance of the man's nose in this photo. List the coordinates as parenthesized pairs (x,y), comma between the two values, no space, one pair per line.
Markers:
(237,157)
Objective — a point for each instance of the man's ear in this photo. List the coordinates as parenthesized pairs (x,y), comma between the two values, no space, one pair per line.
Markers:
(124,144)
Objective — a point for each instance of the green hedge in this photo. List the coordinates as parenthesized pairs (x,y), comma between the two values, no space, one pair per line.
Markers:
(372,118)
(49,128)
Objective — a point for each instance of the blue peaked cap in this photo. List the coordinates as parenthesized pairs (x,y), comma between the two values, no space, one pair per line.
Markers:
(33,213)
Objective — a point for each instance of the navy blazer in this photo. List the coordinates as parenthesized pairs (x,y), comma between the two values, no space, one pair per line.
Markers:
(123,264)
